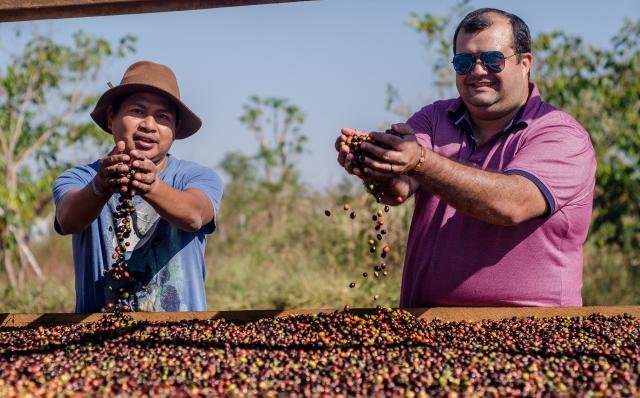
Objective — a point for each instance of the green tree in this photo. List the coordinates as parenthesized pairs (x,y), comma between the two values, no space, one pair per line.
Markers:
(271,172)
(276,125)
(436,32)
(43,102)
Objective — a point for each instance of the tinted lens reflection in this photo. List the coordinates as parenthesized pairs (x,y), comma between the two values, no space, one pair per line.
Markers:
(493,61)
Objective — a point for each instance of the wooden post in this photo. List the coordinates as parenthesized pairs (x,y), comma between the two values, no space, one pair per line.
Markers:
(24,10)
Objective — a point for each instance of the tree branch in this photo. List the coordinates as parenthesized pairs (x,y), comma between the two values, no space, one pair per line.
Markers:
(22,244)
(15,134)
(44,137)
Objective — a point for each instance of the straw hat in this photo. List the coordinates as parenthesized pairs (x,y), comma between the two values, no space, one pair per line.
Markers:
(151,77)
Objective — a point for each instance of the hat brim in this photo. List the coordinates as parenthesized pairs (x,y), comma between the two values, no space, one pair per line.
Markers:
(189,122)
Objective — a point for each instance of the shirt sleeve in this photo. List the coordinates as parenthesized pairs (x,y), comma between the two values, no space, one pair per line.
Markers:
(560,160)
(74,178)
(207,181)
(422,123)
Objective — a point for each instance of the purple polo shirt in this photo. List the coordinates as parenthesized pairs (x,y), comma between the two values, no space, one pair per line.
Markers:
(453,259)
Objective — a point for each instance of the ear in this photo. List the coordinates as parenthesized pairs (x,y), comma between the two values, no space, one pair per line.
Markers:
(527,62)
(109,116)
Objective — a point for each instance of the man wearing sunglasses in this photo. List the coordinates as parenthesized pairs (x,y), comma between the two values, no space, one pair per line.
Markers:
(503,182)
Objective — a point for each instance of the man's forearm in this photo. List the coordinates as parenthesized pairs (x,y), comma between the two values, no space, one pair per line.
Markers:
(188,210)
(78,208)
(492,197)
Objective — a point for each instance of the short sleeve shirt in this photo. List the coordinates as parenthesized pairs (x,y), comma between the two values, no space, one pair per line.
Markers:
(455,259)
(166,263)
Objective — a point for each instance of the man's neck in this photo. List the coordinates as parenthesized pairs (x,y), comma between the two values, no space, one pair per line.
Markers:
(485,129)
(162,164)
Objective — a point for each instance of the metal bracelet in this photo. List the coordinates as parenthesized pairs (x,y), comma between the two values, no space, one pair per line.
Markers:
(418,167)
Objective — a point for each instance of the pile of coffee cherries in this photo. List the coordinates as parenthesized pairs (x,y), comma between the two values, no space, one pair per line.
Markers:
(119,282)
(354,142)
(387,352)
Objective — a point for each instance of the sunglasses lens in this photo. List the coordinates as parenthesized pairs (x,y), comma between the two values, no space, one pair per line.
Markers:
(493,61)
(463,63)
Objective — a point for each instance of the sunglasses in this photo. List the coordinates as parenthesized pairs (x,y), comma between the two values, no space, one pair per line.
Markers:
(492,61)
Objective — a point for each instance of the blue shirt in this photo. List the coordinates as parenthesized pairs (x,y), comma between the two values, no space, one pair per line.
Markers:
(166,263)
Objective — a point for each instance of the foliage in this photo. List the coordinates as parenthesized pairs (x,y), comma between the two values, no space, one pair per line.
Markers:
(275,247)
(278,150)
(42,96)
(437,32)
(303,259)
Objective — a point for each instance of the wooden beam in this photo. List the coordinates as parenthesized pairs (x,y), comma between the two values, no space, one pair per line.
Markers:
(443,313)
(24,10)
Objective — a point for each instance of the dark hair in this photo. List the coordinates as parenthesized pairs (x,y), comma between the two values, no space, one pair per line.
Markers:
(476,21)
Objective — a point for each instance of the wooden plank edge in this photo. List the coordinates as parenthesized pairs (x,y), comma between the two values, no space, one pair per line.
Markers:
(83,8)
(471,314)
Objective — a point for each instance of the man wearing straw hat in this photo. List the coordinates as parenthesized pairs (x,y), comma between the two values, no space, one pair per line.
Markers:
(139,216)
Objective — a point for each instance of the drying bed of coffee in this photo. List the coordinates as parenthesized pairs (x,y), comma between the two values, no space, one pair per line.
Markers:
(388,352)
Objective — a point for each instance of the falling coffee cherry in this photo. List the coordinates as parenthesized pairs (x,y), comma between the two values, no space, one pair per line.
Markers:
(327,213)
(346,206)
(352,215)
(352,285)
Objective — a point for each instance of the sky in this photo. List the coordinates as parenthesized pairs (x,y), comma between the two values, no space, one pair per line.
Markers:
(332,58)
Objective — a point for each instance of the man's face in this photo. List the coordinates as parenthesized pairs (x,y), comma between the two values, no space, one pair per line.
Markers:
(146,122)
(487,94)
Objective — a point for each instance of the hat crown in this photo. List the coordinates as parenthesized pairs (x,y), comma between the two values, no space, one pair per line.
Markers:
(152,74)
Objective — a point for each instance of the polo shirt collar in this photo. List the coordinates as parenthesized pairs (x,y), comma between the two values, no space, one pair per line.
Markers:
(459,115)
